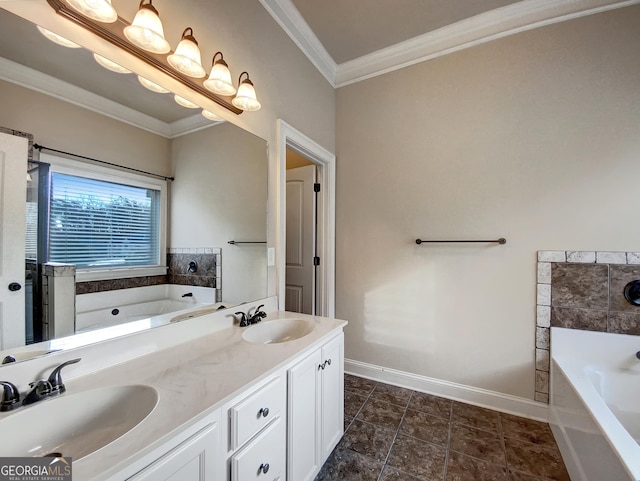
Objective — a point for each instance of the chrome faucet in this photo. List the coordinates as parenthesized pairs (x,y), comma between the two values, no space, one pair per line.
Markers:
(248,319)
(41,389)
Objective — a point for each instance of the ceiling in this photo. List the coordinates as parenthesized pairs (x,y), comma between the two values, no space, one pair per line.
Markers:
(352,28)
(352,40)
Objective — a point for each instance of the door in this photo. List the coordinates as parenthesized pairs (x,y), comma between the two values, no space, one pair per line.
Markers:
(13,185)
(301,234)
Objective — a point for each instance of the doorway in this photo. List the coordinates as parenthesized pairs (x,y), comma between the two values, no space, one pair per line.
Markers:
(301,260)
(322,163)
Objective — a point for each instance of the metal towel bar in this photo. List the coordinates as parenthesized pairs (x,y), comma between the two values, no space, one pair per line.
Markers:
(500,241)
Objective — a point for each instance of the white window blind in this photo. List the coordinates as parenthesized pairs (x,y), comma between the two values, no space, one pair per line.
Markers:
(100,224)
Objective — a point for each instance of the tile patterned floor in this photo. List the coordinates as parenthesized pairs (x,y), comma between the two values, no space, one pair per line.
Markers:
(396,434)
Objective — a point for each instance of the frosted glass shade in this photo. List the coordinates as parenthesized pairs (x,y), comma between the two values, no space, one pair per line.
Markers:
(186,59)
(184,102)
(99,10)
(154,87)
(246,98)
(207,114)
(219,81)
(55,38)
(109,65)
(146,31)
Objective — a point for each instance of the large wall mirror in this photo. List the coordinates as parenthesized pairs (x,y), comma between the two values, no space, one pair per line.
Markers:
(219,191)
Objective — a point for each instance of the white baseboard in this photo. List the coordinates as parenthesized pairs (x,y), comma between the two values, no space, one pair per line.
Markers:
(458,392)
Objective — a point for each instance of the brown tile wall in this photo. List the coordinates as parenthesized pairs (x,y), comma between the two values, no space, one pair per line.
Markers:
(116,284)
(582,290)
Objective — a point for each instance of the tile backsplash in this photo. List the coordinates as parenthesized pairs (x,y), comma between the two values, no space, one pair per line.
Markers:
(582,290)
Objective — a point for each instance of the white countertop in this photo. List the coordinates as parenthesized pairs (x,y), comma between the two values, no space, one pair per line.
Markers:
(192,380)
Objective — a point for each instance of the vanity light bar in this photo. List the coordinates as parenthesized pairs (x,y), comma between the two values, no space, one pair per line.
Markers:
(113,33)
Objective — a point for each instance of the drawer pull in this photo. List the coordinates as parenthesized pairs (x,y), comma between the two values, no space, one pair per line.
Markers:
(264,412)
(264,468)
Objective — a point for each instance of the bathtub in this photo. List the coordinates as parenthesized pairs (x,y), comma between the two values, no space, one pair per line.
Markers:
(594,407)
(158,304)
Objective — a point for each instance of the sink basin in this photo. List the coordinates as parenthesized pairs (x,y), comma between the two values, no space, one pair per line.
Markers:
(76,425)
(278,330)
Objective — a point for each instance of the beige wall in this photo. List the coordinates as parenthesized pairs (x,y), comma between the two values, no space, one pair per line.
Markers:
(535,137)
(64,126)
(220,194)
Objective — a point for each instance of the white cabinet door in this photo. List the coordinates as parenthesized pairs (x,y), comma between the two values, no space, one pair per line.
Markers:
(316,407)
(303,421)
(332,395)
(196,459)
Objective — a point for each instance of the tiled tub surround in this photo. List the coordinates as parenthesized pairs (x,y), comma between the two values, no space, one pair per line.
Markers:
(207,275)
(582,290)
(209,267)
(397,434)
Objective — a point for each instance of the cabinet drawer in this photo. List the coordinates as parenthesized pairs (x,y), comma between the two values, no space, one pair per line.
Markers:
(256,411)
(263,458)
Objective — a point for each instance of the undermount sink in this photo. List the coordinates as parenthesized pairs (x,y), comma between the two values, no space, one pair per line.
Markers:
(278,330)
(76,425)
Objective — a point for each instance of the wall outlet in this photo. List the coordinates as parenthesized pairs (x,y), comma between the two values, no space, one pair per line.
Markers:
(271,256)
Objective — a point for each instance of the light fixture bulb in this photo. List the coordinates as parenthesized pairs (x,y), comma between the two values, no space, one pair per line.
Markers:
(146,30)
(184,102)
(219,81)
(246,98)
(207,114)
(99,10)
(154,87)
(55,38)
(186,58)
(109,65)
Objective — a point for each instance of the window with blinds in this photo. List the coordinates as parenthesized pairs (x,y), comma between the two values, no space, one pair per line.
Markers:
(101,224)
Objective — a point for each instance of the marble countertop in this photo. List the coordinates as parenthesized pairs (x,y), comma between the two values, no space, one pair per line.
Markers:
(192,380)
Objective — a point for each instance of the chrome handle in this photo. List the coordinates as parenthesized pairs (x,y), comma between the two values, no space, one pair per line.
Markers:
(264,468)
(264,412)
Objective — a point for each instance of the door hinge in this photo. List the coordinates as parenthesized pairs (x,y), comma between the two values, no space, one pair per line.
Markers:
(316,187)
(316,261)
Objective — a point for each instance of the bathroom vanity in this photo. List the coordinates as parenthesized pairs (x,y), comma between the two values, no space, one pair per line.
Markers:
(200,399)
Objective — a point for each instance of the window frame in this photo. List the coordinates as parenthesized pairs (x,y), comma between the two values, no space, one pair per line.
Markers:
(111,174)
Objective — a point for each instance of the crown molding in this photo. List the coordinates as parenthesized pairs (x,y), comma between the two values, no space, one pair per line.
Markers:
(188,125)
(40,82)
(291,21)
(491,25)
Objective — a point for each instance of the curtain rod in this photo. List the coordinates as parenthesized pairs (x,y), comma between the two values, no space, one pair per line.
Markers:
(42,147)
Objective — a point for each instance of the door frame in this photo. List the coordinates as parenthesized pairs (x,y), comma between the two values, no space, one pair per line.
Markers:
(289,137)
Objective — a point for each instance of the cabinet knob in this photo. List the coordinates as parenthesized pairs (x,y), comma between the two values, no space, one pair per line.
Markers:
(264,412)
(320,366)
(328,361)
(264,468)
(14,286)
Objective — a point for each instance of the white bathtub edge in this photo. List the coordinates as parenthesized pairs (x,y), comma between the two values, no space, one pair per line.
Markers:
(571,352)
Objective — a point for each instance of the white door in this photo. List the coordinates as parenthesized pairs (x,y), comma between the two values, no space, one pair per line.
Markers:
(332,394)
(13,185)
(301,234)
